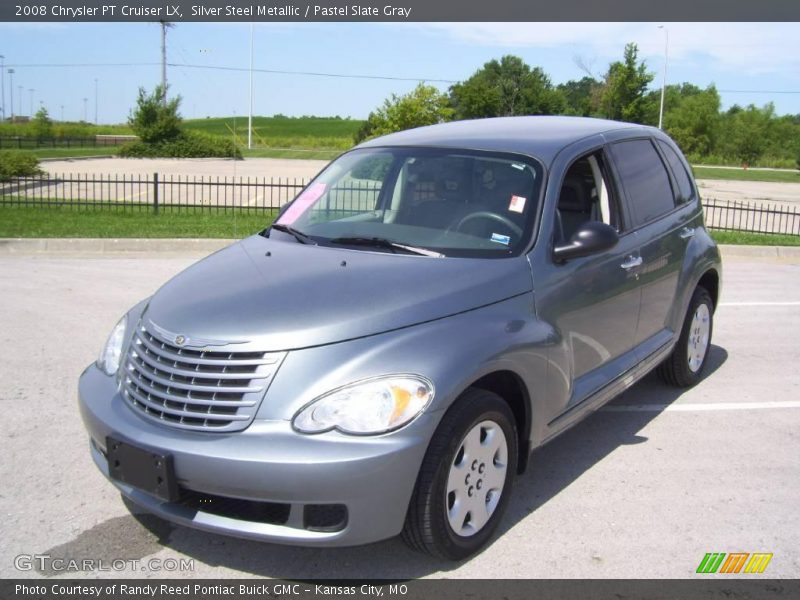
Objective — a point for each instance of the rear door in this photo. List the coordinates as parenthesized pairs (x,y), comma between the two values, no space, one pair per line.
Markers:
(662,220)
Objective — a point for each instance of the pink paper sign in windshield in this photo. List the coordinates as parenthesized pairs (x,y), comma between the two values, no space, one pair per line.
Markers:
(301,203)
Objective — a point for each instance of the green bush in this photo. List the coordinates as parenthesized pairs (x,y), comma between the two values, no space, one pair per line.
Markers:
(17,164)
(156,119)
(188,144)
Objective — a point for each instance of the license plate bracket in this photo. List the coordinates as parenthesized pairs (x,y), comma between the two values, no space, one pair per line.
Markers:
(148,470)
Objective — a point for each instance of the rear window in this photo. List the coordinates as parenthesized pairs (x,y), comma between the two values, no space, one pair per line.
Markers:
(685,188)
(644,178)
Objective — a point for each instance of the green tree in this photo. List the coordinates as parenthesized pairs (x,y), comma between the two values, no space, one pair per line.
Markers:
(504,88)
(424,105)
(41,124)
(624,94)
(692,118)
(581,96)
(747,132)
(154,120)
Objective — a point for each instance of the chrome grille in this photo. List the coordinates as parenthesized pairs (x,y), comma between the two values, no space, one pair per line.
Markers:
(195,388)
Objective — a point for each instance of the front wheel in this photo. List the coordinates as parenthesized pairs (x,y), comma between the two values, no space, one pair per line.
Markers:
(465,479)
(685,365)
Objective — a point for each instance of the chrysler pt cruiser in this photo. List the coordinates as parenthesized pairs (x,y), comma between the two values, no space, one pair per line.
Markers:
(384,357)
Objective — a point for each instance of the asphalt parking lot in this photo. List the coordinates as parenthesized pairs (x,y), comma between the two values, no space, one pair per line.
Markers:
(642,489)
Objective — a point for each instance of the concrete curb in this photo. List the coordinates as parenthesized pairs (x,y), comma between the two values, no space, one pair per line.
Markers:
(200,245)
(735,251)
(110,246)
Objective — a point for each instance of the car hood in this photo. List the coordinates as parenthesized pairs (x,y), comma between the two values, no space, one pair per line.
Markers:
(283,295)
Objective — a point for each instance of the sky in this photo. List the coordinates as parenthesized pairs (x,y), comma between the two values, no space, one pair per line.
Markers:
(761,59)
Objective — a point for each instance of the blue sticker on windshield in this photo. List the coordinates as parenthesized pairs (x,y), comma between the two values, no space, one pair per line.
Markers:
(501,239)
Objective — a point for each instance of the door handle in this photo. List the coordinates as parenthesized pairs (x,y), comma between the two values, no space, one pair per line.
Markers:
(631,262)
(686,233)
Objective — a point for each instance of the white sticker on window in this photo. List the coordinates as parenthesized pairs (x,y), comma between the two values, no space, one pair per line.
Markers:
(501,239)
(517,204)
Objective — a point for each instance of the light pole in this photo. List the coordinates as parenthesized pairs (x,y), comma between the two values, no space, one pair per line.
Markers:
(3,85)
(11,90)
(19,102)
(250,114)
(664,81)
(85,100)
(31,90)
(95,100)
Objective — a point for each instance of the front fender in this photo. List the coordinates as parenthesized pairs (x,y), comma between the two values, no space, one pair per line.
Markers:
(453,353)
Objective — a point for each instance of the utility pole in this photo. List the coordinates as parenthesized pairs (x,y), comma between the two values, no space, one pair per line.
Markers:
(85,100)
(31,90)
(664,81)
(164,26)
(95,100)
(11,90)
(62,113)
(3,85)
(250,114)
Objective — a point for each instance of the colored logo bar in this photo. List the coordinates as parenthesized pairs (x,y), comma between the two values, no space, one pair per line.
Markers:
(736,562)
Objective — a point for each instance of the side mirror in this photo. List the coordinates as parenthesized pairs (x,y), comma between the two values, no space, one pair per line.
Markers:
(592,237)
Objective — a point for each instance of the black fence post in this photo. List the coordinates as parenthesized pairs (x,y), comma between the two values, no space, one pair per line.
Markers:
(155,193)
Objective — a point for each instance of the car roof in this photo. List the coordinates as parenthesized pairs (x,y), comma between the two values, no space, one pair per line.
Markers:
(539,136)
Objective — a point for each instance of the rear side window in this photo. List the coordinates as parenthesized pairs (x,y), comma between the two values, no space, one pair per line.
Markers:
(644,178)
(685,188)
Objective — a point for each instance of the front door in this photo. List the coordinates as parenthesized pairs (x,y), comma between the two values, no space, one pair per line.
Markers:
(592,302)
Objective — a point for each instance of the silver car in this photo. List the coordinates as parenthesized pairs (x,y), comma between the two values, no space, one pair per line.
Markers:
(383,359)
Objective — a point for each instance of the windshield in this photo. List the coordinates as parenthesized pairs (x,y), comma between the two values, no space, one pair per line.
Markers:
(444,201)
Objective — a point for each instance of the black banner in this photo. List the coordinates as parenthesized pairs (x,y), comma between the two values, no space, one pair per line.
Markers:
(713,587)
(400,10)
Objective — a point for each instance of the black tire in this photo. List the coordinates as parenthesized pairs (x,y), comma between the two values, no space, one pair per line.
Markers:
(675,370)
(427,528)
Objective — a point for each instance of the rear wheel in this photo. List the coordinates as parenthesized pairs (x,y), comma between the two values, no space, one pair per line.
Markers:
(685,365)
(465,479)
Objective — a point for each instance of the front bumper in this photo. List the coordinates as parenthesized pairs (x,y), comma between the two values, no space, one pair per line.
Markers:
(373,477)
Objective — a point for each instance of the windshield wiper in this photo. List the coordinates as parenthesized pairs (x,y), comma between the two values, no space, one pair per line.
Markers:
(384,243)
(298,235)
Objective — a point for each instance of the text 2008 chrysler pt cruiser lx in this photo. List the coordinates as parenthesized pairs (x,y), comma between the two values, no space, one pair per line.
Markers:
(433,306)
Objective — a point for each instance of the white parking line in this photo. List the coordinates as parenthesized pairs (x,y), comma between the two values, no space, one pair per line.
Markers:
(700,407)
(759,303)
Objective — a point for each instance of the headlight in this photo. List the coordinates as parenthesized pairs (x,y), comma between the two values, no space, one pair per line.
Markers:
(367,407)
(112,351)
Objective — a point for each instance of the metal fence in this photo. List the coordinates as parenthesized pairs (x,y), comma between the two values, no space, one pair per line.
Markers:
(178,193)
(187,193)
(732,215)
(16,142)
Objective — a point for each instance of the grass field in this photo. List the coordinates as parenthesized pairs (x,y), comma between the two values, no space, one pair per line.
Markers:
(65,129)
(739,238)
(214,223)
(785,176)
(70,223)
(72,152)
(317,133)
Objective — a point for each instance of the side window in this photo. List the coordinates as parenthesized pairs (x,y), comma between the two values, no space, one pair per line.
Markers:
(645,179)
(685,188)
(586,195)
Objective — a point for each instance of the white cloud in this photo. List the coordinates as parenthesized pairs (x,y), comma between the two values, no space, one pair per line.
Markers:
(751,48)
